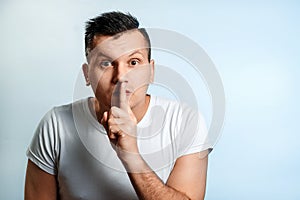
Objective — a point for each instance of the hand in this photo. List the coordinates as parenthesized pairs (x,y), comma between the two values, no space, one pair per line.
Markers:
(120,124)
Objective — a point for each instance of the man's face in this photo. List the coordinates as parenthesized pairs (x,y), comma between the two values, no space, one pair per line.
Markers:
(119,58)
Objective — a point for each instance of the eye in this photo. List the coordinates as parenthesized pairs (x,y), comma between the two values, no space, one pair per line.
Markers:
(134,62)
(105,63)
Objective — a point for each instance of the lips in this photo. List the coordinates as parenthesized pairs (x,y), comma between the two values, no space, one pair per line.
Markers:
(128,92)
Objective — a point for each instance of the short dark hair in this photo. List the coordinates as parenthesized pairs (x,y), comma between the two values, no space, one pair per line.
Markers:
(109,24)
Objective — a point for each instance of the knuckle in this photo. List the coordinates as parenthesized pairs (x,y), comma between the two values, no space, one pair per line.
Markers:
(111,136)
(114,109)
(111,121)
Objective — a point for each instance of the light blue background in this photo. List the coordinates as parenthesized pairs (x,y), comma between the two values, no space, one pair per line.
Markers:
(255,45)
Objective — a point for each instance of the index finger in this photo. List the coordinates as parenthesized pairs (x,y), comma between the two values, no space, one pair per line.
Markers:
(123,99)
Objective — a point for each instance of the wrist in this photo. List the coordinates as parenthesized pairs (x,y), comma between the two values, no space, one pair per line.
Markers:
(133,162)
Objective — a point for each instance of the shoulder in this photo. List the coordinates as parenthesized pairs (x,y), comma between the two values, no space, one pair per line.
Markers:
(60,116)
(180,114)
(176,113)
(65,109)
(174,106)
(165,103)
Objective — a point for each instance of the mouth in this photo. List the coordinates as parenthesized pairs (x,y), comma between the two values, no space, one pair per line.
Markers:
(128,92)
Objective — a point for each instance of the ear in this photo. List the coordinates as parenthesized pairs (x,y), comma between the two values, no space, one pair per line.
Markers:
(85,69)
(152,70)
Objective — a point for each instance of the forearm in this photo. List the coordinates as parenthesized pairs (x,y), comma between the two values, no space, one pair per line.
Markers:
(147,184)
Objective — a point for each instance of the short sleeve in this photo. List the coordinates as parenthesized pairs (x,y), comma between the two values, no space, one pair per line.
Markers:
(43,151)
(193,134)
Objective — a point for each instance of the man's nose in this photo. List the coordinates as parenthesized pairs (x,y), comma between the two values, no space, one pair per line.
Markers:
(120,71)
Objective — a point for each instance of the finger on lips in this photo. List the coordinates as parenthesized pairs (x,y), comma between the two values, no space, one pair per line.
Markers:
(119,98)
(118,113)
(123,100)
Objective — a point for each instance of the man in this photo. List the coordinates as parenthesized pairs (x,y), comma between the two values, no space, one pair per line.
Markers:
(123,143)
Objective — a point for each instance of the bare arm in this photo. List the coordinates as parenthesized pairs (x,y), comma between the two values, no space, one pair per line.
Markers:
(186,181)
(189,175)
(39,184)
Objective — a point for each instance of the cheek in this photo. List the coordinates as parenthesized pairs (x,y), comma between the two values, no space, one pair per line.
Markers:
(99,79)
(139,78)
(96,84)
(103,92)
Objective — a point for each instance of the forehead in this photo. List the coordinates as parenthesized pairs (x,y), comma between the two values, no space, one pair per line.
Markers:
(120,44)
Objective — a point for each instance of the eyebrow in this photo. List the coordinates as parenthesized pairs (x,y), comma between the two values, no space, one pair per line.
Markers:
(138,51)
(135,52)
(103,55)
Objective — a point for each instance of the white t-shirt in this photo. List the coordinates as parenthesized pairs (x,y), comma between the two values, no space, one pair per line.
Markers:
(71,144)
